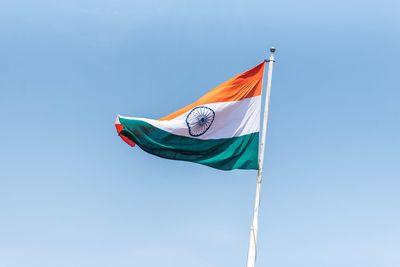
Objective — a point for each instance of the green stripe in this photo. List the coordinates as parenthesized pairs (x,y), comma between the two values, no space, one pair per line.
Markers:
(225,154)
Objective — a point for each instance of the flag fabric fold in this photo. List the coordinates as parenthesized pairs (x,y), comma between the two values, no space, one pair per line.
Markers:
(220,129)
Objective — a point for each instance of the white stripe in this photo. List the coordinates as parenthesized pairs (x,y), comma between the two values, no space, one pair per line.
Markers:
(233,118)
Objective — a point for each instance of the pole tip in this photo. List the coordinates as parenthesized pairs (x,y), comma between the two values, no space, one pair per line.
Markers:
(272,49)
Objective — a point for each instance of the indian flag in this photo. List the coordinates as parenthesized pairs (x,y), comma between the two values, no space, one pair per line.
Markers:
(220,130)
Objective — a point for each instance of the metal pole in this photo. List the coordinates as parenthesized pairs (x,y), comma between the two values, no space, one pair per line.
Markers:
(252,254)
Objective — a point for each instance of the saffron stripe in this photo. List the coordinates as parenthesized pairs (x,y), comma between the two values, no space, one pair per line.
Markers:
(245,85)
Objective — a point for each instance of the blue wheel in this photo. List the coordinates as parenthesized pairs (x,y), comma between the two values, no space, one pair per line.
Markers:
(199,120)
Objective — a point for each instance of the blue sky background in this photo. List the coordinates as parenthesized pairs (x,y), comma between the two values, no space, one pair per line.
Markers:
(73,194)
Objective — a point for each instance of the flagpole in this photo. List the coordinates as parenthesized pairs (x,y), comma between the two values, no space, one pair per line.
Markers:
(252,253)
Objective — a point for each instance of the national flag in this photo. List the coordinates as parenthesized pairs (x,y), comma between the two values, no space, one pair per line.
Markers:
(220,130)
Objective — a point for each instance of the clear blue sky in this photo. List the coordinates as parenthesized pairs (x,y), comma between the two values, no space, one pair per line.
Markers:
(73,194)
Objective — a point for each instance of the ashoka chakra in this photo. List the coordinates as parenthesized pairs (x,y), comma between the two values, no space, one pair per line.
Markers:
(199,120)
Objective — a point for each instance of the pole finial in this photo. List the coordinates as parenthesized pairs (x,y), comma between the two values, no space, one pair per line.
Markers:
(272,49)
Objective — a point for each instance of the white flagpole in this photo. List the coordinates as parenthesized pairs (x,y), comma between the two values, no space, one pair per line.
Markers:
(252,254)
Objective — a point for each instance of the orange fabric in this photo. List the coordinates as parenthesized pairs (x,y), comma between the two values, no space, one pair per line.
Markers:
(126,139)
(119,127)
(245,85)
